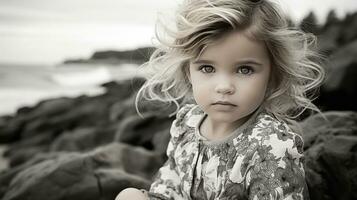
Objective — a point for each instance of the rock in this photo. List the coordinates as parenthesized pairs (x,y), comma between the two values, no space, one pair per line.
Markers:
(99,174)
(331,155)
(34,120)
(316,130)
(65,177)
(340,62)
(327,42)
(126,108)
(338,44)
(121,90)
(24,150)
(133,160)
(90,112)
(139,131)
(339,90)
(122,109)
(10,129)
(50,107)
(161,140)
(348,34)
(84,139)
(6,176)
(335,35)
(342,177)
(23,155)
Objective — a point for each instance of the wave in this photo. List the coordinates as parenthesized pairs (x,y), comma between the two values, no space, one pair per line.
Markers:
(85,77)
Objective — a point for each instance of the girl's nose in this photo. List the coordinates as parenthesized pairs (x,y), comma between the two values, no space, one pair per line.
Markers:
(225,87)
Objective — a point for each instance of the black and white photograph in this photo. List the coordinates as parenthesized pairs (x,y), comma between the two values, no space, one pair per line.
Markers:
(178,100)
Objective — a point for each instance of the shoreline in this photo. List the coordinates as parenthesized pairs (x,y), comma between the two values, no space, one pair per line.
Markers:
(18,90)
(13,99)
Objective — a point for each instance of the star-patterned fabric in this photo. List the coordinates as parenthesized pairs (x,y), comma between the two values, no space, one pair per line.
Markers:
(262,159)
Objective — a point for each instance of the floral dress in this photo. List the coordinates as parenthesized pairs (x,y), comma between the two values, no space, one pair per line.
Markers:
(262,159)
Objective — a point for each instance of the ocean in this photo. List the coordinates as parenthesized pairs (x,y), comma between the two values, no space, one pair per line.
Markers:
(26,85)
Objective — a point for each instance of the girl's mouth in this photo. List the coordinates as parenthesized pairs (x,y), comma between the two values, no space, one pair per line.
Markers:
(224,103)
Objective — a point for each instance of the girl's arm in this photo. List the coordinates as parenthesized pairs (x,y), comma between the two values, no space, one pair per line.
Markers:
(167,183)
(277,170)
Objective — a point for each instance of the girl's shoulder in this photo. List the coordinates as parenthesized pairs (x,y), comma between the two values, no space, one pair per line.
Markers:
(187,119)
(273,133)
(267,124)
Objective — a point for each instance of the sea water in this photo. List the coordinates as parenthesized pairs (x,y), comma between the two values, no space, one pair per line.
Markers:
(26,85)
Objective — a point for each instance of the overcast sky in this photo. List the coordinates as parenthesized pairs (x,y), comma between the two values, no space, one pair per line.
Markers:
(49,31)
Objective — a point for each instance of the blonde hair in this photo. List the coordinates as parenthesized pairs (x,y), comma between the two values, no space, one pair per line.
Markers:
(296,72)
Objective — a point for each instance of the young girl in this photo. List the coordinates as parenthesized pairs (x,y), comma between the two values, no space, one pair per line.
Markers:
(250,76)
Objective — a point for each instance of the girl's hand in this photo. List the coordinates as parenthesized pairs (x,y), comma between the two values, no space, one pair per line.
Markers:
(132,193)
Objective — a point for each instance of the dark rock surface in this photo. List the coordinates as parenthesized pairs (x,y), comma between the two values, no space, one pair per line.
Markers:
(96,174)
(337,40)
(93,147)
(331,155)
(85,147)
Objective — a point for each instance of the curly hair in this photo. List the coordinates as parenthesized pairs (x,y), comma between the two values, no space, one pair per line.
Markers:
(297,73)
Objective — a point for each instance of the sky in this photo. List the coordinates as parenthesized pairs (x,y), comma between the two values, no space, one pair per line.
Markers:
(50,31)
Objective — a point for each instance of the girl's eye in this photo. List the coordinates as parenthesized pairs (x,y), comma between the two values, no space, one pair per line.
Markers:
(246,70)
(206,69)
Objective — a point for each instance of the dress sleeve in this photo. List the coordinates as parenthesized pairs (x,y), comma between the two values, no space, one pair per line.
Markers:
(277,170)
(167,182)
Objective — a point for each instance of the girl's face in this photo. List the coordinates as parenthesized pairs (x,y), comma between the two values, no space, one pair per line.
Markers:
(230,78)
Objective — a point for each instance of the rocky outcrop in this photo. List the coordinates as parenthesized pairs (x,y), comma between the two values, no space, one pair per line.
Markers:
(85,147)
(97,174)
(337,40)
(331,155)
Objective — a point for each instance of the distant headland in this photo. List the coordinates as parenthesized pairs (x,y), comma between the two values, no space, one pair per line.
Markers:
(114,57)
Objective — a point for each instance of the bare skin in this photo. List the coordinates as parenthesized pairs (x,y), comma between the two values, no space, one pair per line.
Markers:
(131,193)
